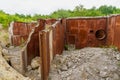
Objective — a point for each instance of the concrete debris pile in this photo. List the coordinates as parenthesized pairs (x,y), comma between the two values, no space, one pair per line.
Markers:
(33,70)
(86,64)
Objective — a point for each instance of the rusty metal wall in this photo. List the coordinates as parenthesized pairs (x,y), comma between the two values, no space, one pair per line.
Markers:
(117,32)
(113,31)
(110,30)
(21,32)
(33,45)
(51,43)
(44,54)
(82,31)
(58,38)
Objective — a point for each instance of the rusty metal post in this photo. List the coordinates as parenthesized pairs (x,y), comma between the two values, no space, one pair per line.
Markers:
(44,54)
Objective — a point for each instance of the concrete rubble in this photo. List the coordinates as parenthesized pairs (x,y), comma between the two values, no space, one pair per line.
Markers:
(33,70)
(35,62)
(86,64)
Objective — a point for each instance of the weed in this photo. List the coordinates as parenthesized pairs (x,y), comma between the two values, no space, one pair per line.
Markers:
(118,63)
(66,47)
(115,48)
(6,37)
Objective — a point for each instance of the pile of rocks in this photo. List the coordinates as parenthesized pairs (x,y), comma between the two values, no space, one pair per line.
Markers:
(33,70)
(86,64)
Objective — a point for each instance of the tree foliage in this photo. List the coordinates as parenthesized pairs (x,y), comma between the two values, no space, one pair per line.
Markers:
(79,10)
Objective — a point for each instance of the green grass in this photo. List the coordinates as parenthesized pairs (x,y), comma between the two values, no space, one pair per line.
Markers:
(115,48)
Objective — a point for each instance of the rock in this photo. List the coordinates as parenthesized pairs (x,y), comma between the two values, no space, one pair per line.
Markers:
(116,77)
(11,47)
(104,74)
(29,68)
(34,74)
(118,56)
(70,64)
(64,68)
(86,64)
(35,62)
(5,52)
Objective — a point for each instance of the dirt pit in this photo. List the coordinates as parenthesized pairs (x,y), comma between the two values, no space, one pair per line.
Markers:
(86,64)
(83,64)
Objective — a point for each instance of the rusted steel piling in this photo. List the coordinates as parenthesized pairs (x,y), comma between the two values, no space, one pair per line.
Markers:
(80,32)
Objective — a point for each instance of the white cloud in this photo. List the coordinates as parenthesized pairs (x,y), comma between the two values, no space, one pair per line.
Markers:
(48,6)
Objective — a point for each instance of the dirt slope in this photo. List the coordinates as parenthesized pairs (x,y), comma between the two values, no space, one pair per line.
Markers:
(7,72)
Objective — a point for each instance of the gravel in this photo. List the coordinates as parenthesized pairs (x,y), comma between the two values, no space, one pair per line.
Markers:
(86,64)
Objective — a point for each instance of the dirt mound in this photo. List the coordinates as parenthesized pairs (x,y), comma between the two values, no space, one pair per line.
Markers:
(86,64)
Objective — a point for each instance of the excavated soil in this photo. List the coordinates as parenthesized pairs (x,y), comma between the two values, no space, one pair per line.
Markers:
(86,64)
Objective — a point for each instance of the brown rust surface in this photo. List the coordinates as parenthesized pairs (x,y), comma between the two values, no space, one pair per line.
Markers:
(110,30)
(44,47)
(117,32)
(58,38)
(33,45)
(48,41)
(23,30)
(81,31)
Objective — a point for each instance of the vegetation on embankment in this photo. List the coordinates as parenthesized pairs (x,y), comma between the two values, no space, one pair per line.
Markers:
(79,10)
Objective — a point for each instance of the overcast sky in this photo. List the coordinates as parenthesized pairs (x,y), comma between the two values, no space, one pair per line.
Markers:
(48,6)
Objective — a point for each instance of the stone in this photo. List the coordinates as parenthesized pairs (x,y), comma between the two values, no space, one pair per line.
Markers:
(118,56)
(64,68)
(103,74)
(29,68)
(5,52)
(35,63)
(116,77)
(87,64)
(70,64)
(11,47)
